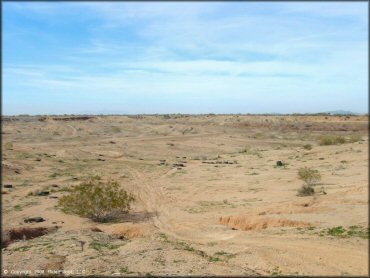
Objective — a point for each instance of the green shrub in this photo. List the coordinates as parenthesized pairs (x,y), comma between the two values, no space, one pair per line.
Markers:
(307,147)
(306,190)
(309,176)
(97,200)
(355,138)
(336,231)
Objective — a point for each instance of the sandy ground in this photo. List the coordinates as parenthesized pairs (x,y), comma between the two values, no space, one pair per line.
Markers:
(229,211)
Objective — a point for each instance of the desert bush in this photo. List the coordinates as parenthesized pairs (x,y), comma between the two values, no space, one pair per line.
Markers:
(306,190)
(309,176)
(97,200)
(8,146)
(355,138)
(115,129)
(331,140)
(307,147)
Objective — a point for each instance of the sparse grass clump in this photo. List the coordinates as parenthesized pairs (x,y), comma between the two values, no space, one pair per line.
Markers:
(352,231)
(355,138)
(338,140)
(8,146)
(307,147)
(97,200)
(336,231)
(100,246)
(331,140)
(306,190)
(115,129)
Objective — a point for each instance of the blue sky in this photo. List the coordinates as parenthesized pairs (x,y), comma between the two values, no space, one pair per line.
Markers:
(184,57)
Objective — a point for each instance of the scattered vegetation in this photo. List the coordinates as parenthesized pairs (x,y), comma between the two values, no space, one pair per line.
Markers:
(214,259)
(331,140)
(248,150)
(307,147)
(99,246)
(125,270)
(115,129)
(8,146)
(309,176)
(54,175)
(217,257)
(17,207)
(352,231)
(97,200)
(306,190)
(276,271)
(338,140)
(355,138)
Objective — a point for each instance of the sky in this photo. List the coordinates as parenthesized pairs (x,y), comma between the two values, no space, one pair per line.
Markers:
(184,57)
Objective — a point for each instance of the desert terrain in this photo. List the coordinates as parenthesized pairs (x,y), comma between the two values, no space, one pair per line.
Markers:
(210,196)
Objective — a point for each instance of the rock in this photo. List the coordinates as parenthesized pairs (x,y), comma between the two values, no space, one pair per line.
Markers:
(100,159)
(178,165)
(279,163)
(96,229)
(54,185)
(53,197)
(38,159)
(8,186)
(112,142)
(56,222)
(34,219)
(43,193)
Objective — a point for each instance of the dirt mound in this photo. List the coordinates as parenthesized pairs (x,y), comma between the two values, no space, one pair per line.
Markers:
(127,230)
(14,234)
(247,223)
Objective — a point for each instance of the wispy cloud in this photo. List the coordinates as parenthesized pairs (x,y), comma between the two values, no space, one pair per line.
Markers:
(229,52)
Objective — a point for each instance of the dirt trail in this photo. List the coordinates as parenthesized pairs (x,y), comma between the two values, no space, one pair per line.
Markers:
(74,130)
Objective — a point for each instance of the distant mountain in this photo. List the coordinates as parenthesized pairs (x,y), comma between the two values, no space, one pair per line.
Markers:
(341,112)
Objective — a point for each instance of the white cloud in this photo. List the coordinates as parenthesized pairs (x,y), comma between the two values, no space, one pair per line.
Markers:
(194,50)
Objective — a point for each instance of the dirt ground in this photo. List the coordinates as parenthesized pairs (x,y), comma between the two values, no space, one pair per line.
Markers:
(217,205)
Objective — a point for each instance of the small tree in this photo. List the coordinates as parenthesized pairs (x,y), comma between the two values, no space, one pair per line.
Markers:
(97,200)
(309,176)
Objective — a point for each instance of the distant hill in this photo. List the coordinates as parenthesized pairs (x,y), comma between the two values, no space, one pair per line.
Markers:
(341,112)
